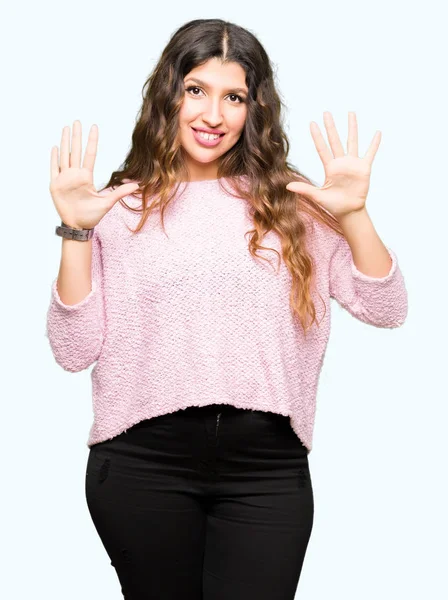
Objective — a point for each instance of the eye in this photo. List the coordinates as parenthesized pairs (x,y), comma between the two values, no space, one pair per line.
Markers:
(194,87)
(240,98)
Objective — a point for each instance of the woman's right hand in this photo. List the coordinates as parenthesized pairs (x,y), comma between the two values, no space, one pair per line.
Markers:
(71,186)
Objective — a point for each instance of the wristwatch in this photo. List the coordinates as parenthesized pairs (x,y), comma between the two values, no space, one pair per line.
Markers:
(70,233)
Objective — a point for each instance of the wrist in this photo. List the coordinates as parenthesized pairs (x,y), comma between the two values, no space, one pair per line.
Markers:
(74,233)
(64,224)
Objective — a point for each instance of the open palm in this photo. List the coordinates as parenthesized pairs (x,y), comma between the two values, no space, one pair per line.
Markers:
(347,176)
(71,185)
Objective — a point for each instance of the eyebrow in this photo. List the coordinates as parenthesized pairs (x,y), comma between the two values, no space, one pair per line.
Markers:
(200,82)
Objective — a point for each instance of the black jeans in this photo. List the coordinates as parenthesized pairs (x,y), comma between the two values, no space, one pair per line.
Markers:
(206,503)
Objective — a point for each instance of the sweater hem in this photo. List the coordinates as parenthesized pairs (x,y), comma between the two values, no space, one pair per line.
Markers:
(98,438)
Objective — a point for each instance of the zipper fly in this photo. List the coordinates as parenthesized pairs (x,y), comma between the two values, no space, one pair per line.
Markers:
(217,423)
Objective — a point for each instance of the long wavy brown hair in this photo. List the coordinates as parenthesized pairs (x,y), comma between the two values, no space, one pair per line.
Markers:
(157,161)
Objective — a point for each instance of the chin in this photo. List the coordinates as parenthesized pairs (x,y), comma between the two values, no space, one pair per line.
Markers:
(205,155)
(204,160)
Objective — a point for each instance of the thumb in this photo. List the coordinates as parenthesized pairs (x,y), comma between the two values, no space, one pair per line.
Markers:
(301,188)
(123,190)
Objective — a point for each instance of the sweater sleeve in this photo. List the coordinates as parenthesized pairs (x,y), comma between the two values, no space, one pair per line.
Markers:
(378,301)
(76,331)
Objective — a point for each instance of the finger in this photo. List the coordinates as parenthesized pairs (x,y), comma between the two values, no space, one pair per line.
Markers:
(65,148)
(321,145)
(371,152)
(352,140)
(333,136)
(75,156)
(54,167)
(91,148)
(123,190)
(302,188)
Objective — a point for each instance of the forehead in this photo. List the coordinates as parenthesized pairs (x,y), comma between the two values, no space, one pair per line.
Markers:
(216,74)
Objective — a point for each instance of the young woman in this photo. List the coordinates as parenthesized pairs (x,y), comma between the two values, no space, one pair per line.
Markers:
(207,351)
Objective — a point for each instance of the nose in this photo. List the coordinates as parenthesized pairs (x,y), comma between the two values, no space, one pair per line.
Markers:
(212,116)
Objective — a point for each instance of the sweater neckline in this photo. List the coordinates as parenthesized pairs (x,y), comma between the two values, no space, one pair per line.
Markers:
(203,181)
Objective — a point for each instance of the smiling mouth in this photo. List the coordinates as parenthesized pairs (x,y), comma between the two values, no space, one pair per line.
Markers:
(199,131)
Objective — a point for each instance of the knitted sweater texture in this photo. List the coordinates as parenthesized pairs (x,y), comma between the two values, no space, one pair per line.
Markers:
(191,318)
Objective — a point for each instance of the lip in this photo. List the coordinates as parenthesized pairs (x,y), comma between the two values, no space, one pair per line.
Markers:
(207,143)
(207,130)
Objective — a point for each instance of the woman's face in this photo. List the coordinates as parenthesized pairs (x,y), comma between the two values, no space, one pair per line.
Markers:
(215,98)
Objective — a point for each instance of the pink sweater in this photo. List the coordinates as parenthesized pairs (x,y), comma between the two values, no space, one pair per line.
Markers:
(193,319)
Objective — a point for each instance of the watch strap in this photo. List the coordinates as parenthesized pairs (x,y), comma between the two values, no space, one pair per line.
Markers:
(71,233)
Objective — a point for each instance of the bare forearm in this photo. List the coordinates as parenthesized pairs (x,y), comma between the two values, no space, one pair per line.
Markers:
(370,255)
(74,277)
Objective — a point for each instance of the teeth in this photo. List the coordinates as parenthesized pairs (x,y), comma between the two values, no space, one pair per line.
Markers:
(208,136)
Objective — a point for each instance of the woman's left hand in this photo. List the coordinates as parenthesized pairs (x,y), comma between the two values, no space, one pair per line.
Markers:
(347,176)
